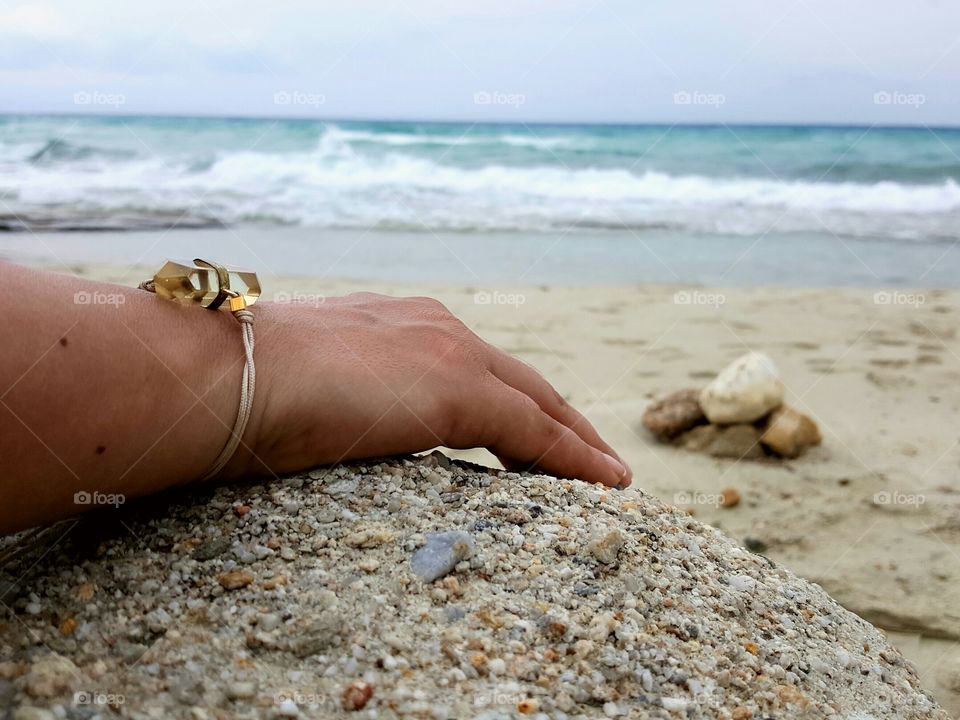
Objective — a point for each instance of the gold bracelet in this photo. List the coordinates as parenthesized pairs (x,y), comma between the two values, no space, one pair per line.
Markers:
(210,285)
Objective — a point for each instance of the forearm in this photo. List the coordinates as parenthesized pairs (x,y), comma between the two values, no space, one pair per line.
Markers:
(115,391)
(106,389)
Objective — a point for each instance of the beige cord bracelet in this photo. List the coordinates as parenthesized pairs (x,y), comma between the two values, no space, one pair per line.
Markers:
(210,285)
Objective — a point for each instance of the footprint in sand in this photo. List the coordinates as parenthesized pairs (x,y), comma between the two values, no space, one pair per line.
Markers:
(890,382)
(889,363)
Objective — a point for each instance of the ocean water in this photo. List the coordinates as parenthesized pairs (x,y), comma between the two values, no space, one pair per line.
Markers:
(679,187)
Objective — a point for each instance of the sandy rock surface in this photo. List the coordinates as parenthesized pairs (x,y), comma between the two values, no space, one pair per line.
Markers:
(298,599)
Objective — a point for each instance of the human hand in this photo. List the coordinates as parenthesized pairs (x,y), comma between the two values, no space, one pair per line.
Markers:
(369,375)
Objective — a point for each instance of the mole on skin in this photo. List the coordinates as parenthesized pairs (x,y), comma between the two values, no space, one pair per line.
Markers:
(63,341)
(101,449)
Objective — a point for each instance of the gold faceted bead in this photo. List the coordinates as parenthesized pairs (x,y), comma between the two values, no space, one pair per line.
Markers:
(245,283)
(186,283)
(191,284)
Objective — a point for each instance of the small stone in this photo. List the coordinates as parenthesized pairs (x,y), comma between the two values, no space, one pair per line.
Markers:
(606,548)
(789,432)
(729,497)
(369,538)
(241,510)
(274,582)
(288,553)
(288,708)
(342,487)
(211,549)
(744,391)
(737,442)
(369,564)
(674,414)
(235,579)
(68,626)
(674,704)
(269,622)
(356,695)
(527,706)
(241,690)
(441,554)
(50,676)
(611,709)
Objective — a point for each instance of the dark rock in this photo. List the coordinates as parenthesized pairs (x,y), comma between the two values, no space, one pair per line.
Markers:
(755,545)
(211,549)
(725,441)
(674,414)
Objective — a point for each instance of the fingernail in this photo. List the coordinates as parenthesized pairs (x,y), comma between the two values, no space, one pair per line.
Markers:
(616,465)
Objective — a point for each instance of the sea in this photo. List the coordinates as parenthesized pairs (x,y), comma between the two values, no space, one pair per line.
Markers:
(734,204)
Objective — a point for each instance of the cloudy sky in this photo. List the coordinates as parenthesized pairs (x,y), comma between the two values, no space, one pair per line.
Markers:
(532,60)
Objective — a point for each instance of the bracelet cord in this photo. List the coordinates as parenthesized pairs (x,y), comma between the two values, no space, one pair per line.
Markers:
(247,386)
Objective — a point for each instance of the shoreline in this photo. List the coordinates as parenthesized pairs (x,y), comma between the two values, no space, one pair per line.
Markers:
(576,258)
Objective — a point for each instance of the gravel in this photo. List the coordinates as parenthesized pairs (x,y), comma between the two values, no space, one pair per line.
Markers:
(550,599)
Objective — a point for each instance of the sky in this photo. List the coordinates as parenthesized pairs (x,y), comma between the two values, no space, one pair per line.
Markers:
(613,61)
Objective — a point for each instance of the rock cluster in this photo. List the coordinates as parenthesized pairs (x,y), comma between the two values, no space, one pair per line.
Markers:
(740,414)
(312,597)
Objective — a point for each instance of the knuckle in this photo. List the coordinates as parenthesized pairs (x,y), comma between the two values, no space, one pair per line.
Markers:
(431,305)
(456,350)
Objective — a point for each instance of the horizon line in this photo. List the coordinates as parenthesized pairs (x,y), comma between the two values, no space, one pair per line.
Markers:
(541,123)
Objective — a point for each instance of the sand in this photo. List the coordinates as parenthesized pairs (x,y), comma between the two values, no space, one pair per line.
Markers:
(331,594)
(873,514)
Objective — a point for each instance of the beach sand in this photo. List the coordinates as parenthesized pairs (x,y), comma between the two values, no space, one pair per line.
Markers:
(872,515)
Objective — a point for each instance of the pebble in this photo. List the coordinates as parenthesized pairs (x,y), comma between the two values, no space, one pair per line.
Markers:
(269,621)
(729,497)
(288,708)
(211,549)
(441,553)
(235,579)
(606,547)
(356,695)
(241,690)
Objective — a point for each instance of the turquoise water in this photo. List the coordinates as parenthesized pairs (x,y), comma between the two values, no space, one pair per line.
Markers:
(687,190)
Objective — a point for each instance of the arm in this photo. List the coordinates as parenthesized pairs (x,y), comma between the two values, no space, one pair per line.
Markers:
(127,393)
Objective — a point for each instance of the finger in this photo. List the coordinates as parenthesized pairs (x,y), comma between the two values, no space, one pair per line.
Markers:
(527,437)
(520,376)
